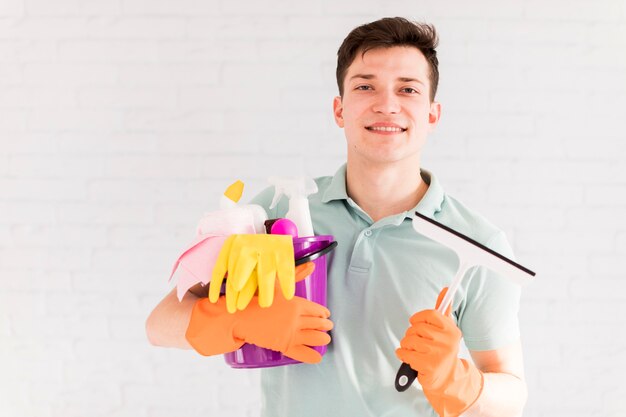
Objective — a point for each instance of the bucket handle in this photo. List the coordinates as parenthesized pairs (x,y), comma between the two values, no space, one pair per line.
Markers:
(318,253)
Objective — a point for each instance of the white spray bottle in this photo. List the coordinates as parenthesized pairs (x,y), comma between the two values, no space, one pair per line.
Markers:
(297,191)
(233,218)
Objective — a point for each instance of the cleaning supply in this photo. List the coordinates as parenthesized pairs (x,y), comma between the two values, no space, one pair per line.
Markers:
(470,253)
(284,227)
(297,191)
(232,217)
(231,196)
(288,326)
(431,346)
(242,283)
(247,258)
(195,264)
(316,254)
(313,288)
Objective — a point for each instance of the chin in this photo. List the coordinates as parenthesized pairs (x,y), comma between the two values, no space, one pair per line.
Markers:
(383,157)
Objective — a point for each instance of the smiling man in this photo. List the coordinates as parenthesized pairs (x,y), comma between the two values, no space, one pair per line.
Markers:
(384,279)
(386,111)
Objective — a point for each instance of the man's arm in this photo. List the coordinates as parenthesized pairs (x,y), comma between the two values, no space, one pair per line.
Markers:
(167,324)
(504,390)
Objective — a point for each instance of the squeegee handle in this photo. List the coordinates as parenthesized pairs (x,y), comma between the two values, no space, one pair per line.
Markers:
(405,377)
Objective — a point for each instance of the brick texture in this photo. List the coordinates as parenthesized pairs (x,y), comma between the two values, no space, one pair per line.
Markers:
(122,121)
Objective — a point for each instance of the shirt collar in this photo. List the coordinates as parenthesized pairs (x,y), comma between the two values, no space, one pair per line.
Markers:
(430,203)
(337,188)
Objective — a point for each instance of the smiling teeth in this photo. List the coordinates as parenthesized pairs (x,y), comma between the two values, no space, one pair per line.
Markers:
(386,129)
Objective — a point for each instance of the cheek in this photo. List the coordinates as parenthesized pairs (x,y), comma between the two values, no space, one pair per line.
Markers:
(421,116)
(353,108)
(350,118)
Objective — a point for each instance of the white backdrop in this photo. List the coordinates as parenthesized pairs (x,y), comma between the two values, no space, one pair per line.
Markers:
(121,122)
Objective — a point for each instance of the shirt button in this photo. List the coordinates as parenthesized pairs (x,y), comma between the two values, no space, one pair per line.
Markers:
(368,233)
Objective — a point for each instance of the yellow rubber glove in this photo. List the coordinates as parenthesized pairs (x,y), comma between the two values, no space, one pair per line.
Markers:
(288,326)
(431,347)
(251,261)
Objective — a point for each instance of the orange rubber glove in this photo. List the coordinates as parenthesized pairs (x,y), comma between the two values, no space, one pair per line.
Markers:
(287,326)
(430,346)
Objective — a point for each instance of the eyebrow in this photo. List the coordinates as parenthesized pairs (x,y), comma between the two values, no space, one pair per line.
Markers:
(372,76)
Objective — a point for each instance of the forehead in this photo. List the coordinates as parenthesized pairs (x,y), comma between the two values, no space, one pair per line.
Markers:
(397,61)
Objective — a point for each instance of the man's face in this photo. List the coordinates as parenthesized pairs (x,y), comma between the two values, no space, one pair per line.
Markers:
(386,111)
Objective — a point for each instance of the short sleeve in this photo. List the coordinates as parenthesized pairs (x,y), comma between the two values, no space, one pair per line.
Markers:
(488,316)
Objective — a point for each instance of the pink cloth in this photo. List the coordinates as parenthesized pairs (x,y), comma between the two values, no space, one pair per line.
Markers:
(196,263)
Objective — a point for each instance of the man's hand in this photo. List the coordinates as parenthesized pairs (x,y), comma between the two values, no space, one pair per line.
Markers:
(430,346)
(287,326)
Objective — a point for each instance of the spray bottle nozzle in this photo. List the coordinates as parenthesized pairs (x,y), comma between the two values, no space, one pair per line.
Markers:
(297,191)
(291,187)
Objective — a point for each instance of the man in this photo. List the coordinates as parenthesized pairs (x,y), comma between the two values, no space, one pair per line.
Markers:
(383,272)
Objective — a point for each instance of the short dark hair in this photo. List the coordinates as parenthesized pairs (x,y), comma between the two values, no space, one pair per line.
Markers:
(386,33)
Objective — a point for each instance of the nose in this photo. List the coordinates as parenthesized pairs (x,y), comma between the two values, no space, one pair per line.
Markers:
(386,102)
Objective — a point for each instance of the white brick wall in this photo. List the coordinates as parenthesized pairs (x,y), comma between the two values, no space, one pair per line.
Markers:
(122,121)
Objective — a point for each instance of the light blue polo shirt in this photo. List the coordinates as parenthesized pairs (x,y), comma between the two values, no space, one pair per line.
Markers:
(380,274)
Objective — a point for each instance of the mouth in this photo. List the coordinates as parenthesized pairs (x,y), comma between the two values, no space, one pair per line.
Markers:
(386,129)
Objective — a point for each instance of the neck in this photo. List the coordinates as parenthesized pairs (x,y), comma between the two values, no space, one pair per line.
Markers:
(383,190)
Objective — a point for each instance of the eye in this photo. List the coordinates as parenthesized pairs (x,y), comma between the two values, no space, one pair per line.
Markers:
(363,87)
(410,90)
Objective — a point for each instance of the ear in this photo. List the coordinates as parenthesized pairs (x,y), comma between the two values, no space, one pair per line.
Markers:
(338,111)
(434,115)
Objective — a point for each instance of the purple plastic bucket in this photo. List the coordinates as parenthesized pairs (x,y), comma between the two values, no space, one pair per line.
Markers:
(312,288)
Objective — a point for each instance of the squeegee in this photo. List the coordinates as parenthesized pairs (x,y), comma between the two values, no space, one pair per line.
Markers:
(470,254)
